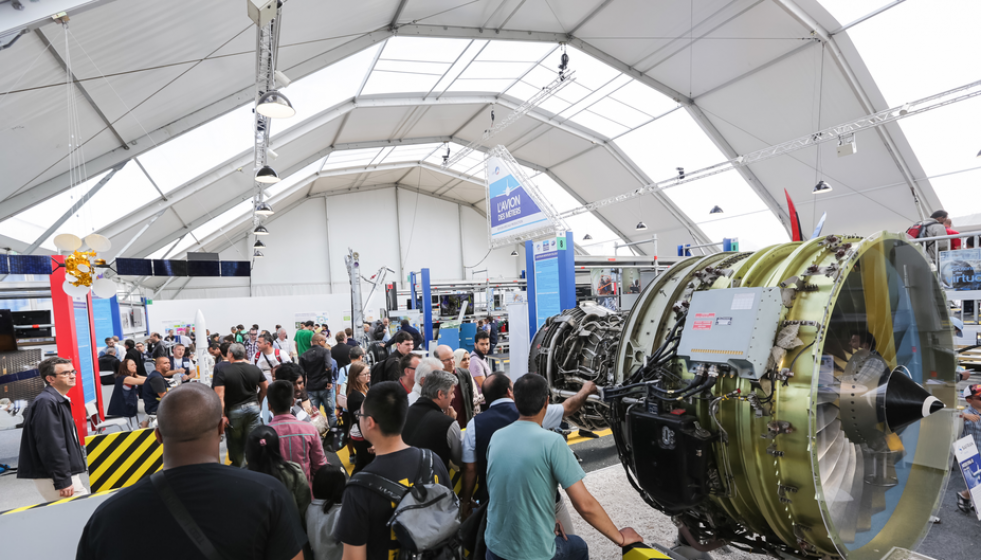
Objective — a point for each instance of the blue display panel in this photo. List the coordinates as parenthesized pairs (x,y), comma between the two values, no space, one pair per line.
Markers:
(102,316)
(85,368)
(30,264)
(547,301)
(169,268)
(203,268)
(134,267)
(4,267)
(236,268)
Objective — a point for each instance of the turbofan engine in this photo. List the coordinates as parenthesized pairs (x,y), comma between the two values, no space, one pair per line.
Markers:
(789,401)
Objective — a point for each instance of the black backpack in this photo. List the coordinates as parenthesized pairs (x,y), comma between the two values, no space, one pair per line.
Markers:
(378,372)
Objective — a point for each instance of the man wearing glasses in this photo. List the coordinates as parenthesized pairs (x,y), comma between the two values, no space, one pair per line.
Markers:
(49,449)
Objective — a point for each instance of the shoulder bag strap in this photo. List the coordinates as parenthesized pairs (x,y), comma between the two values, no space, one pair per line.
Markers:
(183,517)
(380,485)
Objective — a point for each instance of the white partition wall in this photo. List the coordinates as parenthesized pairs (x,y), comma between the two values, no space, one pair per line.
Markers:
(387,225)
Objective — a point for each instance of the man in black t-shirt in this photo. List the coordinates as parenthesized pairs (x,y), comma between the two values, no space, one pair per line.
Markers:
(341,352)
(243,514)
(155,386)
(362,524)
(403,344)
(241,387)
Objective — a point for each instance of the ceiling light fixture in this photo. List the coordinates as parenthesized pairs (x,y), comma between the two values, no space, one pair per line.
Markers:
(257,254)
(979,154)
(264,209)
(822,187)
(272,154)
(716,210)
(260,230)
(282,80)
(266,174)
(275,105)
(587,237)
(641,226)
(258,245)
(514,252)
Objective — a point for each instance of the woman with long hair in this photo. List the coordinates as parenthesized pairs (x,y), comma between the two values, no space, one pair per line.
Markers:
(263,455)
(357,387)
(322,515)
(125,396)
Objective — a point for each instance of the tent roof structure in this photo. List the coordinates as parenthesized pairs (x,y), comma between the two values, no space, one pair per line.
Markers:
(382,88)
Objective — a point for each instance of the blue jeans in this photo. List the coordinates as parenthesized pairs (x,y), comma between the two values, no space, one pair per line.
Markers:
(325,398)
(242,419)
(573,549)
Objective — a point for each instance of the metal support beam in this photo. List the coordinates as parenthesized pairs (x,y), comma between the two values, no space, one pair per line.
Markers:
(55,185)
(75,208)
(81,88)
(139,234)
(398,14)
(804,18)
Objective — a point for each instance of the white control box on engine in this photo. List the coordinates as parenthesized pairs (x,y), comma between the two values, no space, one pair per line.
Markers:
(735,327)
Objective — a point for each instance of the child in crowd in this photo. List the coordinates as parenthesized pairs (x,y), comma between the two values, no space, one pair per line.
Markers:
(263,455)
(322,515)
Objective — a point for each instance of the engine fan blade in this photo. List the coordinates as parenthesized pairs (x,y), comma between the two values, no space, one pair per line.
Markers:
(827,437)
(864,522)
(846,516)
(827,463)
(826,414)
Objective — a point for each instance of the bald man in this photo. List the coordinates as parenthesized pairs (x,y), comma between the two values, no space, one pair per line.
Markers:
(155,386)
(463,391)
(242,514)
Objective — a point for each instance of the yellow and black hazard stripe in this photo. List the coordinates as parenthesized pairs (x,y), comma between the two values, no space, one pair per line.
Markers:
(121,459)
(61,501)
(641,551)
(457,479)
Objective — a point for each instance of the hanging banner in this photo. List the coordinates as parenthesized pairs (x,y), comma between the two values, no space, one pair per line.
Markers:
(961,269)
(515,209)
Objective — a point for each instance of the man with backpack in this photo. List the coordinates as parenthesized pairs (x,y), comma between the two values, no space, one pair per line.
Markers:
(934,227)
(363,522)
(389,370)
(267,357)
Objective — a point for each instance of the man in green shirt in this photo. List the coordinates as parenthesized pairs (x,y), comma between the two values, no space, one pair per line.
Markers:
(303,338)
(522,481)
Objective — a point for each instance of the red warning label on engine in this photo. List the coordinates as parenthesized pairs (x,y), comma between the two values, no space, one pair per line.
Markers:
(703,321)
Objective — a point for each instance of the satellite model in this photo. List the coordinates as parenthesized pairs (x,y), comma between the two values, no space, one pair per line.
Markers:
(792,402)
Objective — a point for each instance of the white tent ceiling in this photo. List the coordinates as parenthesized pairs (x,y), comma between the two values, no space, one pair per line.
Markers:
(380,87)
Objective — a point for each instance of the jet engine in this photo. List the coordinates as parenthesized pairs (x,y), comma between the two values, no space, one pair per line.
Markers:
(794,401)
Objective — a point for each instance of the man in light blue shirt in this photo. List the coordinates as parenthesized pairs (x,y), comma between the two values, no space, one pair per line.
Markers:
(522,480)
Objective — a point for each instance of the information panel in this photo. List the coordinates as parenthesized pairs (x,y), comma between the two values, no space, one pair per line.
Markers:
(970,462)
(85,368)
(547,302)
(961,269)
(102,317)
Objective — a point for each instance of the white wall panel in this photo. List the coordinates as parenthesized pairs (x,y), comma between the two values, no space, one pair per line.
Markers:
(367,223)
(430,238)
(499,263)
(296,249)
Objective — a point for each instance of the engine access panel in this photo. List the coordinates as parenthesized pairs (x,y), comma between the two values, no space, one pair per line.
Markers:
(670,457)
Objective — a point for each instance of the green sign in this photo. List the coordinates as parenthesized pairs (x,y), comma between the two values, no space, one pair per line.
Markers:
(561,243)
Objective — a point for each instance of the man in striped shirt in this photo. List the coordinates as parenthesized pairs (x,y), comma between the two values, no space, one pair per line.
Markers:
(299,441)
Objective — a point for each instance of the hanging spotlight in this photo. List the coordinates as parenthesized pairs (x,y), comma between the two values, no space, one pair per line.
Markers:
(641,226)
(260,230)
(257,254)
(272,154)
(266,174)
(264,209)
(822,187)
(274,105)
(979,154)
(681,172)
(587,237)
(514,252)
(716,210)
(282,80)
(258,245)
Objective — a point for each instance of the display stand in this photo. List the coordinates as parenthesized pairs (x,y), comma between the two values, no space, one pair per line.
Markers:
(551,279)
(74,336)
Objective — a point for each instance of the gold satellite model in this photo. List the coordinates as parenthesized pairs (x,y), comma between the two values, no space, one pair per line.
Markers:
(794,401)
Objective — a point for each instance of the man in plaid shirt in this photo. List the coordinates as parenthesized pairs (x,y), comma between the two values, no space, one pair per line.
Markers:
(972,427)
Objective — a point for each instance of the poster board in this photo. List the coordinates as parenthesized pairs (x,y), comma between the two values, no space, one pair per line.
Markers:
(961,269)
(966,453)
(547,302)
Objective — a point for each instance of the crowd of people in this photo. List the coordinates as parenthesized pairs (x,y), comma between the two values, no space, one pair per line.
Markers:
(282,495)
